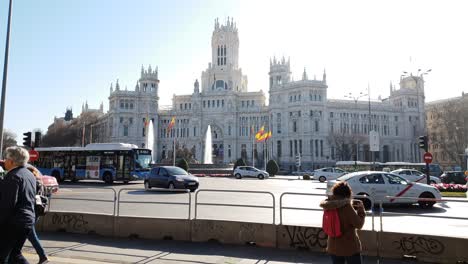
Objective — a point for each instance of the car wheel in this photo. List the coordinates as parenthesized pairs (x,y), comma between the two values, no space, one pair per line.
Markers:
(171,186)
(147,185)
(365,201)
(107,178)
(426,204)
(125,182)
(261,176)
(193,190)
(322,179)
(238,176)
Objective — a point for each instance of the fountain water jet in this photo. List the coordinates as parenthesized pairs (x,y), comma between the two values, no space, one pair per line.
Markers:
(207,158)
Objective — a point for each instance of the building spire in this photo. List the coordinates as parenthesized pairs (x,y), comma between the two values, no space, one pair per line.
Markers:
(304,75)
(137,87)
(324,78)
(111,88)
(117,86)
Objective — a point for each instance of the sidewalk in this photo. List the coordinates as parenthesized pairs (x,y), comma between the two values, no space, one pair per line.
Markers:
(91,249)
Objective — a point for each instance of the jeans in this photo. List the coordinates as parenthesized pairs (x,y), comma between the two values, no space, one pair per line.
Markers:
(354,259)
(32,237)
(12,243)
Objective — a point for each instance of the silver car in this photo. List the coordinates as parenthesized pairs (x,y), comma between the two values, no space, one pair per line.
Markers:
(249,171)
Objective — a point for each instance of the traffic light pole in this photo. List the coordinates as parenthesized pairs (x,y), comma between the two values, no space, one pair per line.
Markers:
(428,178)
(4,82)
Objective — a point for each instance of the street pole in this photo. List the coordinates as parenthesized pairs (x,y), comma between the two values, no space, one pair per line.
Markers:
(5,74)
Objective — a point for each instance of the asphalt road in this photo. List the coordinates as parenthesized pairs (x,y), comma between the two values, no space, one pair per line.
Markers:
(135,201)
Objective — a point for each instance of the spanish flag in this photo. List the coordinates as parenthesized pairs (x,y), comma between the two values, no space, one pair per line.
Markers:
(264,137)
(260,133)
(171,125)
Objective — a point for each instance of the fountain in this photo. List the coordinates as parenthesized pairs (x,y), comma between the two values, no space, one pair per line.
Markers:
(207,158)
(150,140)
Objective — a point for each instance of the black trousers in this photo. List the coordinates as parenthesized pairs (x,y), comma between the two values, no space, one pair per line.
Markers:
(12,244)
(354,259)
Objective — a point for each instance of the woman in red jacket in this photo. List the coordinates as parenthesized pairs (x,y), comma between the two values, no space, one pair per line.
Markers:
(346,246)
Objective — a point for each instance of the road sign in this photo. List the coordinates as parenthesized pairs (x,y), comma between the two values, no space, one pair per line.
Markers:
(428,157)
(33,155)
(374,141)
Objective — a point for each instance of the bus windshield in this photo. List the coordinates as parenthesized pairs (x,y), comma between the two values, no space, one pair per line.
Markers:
(143,159)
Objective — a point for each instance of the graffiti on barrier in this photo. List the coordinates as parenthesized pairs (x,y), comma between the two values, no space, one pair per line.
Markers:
(75,222)
(420,245)
(306,237)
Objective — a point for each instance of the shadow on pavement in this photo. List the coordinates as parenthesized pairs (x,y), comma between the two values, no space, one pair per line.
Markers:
(123,250)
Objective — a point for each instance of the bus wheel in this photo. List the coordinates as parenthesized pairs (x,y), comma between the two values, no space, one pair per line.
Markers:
(56,175)
(107,178)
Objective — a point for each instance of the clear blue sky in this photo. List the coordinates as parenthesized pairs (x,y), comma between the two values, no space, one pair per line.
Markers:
(66,52)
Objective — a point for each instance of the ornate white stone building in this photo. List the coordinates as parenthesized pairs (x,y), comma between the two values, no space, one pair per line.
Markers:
(303,120)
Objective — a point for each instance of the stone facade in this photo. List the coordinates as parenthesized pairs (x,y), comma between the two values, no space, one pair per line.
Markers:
(303,120)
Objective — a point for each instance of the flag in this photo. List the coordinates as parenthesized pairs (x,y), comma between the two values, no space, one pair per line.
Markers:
(264,136)
(260,133)
(147,120)
(171,125)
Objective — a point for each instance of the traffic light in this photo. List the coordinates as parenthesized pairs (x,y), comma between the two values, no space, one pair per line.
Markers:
(423,143)
(37,139)
(27,139)
(298,161)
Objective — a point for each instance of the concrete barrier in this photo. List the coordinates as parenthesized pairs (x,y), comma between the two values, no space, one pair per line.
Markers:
(81,223)
(153,228)
(424,248)
(434,249)
(230,232)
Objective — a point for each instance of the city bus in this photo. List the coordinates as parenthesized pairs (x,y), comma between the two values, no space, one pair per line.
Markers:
(108,162)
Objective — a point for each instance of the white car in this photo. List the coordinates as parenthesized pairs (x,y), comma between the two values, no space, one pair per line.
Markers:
(380,186)
(325,174)
(415,176)
(249,171)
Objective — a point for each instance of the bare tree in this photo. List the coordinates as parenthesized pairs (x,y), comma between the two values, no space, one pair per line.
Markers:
(448,131)
(345,144)
(9,139)
(63,133)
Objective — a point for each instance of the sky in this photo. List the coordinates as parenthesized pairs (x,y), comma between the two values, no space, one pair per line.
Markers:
(66,53)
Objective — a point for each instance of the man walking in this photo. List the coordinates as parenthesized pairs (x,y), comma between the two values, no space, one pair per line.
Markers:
(17,204)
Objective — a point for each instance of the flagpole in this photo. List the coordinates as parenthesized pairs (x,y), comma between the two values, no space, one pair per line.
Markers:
(173,158)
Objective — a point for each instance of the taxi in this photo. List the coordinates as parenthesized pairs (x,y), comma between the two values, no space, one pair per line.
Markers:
(388,188)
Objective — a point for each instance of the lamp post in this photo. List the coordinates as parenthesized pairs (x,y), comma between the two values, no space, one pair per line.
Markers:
(5,74)
(355,98)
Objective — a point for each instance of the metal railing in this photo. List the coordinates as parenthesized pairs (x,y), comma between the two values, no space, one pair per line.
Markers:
(113,201)
(234,205)
(281,207)
(119,201)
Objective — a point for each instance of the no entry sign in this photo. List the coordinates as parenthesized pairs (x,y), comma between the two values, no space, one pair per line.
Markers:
(428,157)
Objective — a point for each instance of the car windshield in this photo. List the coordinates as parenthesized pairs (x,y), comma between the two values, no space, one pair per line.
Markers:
(142,161)
(176,171)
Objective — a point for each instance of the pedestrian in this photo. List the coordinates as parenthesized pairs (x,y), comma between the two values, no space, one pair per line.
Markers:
(32,237)
(343,246)
(17,205)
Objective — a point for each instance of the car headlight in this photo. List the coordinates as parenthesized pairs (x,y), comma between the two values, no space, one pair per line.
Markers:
(179,179)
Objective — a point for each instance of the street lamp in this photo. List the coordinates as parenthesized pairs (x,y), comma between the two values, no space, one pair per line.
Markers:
(355,98)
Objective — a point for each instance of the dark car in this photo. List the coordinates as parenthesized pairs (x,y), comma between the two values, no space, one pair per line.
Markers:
(172,178)
(457,177)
